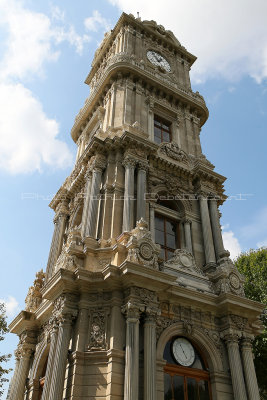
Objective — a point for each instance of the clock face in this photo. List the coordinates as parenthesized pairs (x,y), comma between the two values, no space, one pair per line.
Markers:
(157,59)
(183,352)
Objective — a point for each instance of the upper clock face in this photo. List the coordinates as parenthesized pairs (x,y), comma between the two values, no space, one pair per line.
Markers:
(157,59)
(183,352)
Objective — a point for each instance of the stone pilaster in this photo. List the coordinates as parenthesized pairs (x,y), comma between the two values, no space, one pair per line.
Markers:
(23,371)
(216,229)
(51,357)
(88,178)
(207,233)
(131,380)
(141,191)
(152,220)
(249,369)
(187,235)
(235,366)
(98,165)
(150,353)
(14,379)
(128,206)
(60,359)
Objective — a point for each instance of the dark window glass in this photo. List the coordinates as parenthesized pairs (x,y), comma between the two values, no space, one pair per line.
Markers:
(203,388)
(192,389)
(167,387)
(166,235)
(178,387)
(162,130)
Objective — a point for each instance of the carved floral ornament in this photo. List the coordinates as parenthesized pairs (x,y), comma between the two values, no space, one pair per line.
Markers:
(97,338)
(173,151)
(34,296)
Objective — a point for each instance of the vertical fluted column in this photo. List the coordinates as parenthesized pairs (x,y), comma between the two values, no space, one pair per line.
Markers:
(176,131)
(150,354)
(197,129)
(81,326)
(236,367)
(131,380)
(88,183)
(117,338)
(206,229)
(141,191)
(91,225)
(23,371)
(150,121)
(128,206)
(187,235)
(216,229)
(249,369)
(152,220)
(14,379)
(60,359)
(51,358)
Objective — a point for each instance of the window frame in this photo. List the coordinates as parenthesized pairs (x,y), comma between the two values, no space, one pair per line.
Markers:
(178,239)
(162,121)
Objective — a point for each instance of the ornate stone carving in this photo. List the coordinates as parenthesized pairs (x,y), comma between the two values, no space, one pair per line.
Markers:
(238,321)
(146,296)
(34,296)
(163,323)
(184,260)
(227,279)
(173,151)
(141,247)
(97,339)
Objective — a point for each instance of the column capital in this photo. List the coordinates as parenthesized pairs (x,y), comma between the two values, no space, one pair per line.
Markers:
(230,336)
(187,220)
(129,162)
(151,313)
(132,311)
(99,163)
(143,165)
(247,341)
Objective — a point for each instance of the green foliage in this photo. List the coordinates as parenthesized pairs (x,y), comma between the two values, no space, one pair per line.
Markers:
(5,357)
(253,265)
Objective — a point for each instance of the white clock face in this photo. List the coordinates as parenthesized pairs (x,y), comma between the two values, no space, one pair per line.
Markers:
(157,59)
(183,352)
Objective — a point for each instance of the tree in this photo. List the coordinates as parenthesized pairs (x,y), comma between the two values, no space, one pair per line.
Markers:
(253,265)
(5,357)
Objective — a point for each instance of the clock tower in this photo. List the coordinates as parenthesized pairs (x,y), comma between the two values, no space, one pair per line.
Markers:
(139,299)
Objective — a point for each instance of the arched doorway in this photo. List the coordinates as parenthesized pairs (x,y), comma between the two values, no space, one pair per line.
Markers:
(186,375)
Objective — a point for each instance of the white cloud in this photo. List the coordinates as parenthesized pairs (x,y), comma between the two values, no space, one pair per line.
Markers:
(27,136)
(231,243)
(263,243)
(228,37)
(11,306)
(96,21)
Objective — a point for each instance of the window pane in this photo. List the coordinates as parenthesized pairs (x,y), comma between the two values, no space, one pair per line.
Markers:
(165,127)
(178,387)
(166,137)
(171,227)
(167,387)
(159,237)
(203,388)
(162,254)
(171,242)
(157,139)
(159,223)
(192,389)
(157,122)
(157,131)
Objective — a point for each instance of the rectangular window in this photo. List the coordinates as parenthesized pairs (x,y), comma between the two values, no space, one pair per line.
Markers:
(162,130)
(166,234)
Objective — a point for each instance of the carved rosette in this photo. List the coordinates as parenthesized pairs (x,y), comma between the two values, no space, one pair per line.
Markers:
(141,247)
(227,279)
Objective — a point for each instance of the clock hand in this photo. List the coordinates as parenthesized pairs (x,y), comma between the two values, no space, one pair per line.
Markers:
(183,351)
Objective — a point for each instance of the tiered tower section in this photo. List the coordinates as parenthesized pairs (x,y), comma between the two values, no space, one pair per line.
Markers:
(137,261)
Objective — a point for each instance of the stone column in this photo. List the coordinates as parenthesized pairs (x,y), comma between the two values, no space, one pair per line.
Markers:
(91,223)
(81,326)
(236,367)
(197,129)
(150,354)
(60,359)
(176,133)
(206,229)
(187,235)
(128,206)
(131,380)
(152,220)
(141,191)
(50,362)
(150,121)
(88,183)
(23,371)
(249,369)
(216,229)
(12,387)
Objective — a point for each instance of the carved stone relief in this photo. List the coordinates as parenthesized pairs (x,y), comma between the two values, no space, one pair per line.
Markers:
(34,296)
(98,329)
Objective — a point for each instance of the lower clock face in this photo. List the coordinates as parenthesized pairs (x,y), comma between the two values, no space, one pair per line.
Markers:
(183,352)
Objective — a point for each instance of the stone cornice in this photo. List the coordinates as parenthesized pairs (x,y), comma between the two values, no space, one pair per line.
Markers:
(25,320)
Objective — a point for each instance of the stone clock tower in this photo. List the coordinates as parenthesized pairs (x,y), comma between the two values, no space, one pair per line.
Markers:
(139,299)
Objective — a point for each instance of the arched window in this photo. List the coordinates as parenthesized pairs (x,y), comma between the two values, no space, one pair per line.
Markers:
(186,376)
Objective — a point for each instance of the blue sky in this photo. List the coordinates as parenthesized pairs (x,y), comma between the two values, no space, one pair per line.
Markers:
(46,49)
